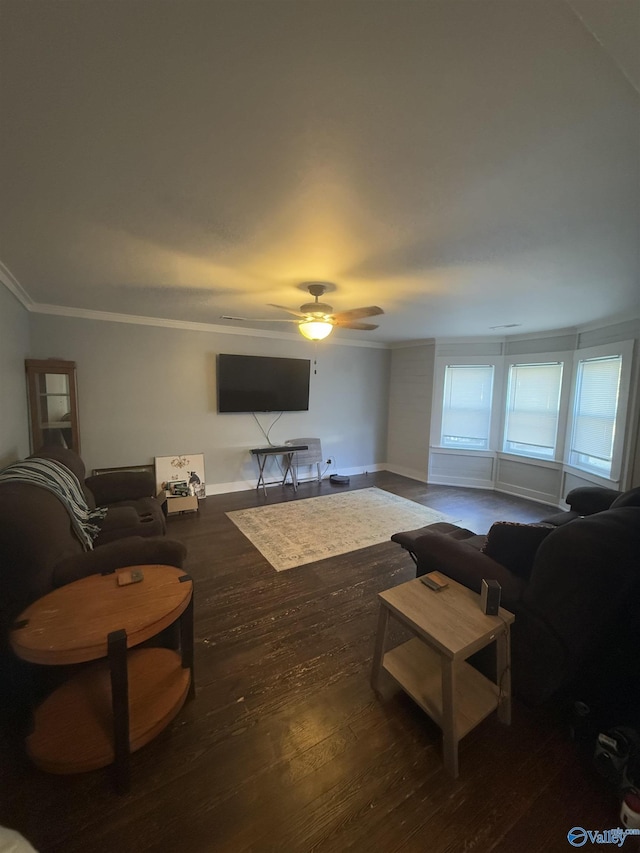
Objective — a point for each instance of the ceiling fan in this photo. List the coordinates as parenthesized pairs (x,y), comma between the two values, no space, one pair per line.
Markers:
(316,320)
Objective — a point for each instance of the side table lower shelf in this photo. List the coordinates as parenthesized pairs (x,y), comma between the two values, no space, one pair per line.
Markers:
(448,627)
(417,669)
(73,728)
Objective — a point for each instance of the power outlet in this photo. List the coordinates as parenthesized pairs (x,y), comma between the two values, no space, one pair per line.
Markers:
(329,461)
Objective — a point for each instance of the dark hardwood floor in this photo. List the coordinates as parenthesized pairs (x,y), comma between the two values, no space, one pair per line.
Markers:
(286,748)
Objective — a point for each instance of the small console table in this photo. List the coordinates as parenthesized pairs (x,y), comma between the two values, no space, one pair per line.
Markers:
(448,626)
(287,451)
(105,712)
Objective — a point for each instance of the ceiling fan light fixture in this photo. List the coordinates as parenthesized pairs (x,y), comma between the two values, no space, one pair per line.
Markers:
(315,330)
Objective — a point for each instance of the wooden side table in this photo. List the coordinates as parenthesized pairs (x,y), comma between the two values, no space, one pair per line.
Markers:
(449,626)
(106,712)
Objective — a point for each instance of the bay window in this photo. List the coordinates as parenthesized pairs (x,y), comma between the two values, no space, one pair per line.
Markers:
(595,410)
(466,406)
(532,409)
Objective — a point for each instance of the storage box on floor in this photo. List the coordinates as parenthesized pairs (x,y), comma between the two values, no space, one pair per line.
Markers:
(173,504)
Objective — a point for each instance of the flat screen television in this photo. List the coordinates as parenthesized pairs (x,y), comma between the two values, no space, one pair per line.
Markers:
(253,383)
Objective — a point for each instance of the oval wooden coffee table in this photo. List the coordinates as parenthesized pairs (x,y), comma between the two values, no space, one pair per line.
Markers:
(107,711)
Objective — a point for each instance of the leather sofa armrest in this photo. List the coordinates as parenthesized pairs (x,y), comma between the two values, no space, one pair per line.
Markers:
(118,486)
(407,538)
(587,500)
(132,551)
(117,518)
(465,564)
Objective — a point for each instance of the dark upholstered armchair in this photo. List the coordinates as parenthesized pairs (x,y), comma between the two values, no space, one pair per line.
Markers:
(587,500)
(573,589)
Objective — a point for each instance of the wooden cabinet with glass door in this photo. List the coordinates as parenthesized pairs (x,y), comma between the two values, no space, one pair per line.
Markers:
(53,403)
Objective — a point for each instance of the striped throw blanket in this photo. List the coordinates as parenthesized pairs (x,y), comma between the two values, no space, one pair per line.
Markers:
(58,479)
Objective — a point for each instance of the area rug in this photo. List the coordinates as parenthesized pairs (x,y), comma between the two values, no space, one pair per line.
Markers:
(298,532)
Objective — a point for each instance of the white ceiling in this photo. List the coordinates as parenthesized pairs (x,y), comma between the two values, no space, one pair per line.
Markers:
(464,164)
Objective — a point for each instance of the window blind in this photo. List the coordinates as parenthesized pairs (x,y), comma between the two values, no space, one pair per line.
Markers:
(533,405)
(594,415)
(466,409)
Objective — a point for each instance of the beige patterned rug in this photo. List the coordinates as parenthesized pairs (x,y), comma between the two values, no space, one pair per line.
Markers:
(298,532)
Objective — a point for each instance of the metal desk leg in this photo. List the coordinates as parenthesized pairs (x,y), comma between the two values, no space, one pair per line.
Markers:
(262,461)
(290,469)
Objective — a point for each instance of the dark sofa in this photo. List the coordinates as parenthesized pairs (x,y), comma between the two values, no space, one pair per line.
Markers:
(129,495)
(40,551)
(587,500)
(574,589)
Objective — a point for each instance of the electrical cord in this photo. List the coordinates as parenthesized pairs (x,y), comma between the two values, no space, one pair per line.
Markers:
(266,434)
(268,440)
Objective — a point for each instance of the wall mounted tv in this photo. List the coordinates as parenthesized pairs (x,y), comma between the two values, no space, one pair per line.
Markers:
(253,383)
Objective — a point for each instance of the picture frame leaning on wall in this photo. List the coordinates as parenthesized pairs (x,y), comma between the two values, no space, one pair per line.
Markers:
(187,467)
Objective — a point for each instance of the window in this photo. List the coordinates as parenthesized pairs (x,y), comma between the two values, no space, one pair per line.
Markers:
(533,406)
(466,407)
(597,393)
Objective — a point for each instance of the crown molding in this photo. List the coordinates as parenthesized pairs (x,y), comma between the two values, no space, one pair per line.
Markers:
(417,342)
(14,286)
(187,325)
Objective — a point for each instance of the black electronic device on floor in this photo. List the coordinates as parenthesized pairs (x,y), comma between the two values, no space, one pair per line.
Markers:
(339,479)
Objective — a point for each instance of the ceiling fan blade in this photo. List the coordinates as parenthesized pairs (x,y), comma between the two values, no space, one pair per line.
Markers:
(288,310)
(356,313)
(256,319)
(346,324)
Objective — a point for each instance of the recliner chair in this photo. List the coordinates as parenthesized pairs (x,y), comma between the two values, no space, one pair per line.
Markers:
(574,589)
(587,500)
(133,509)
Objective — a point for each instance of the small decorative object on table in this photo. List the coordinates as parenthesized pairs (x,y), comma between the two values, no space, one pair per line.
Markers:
(179,488)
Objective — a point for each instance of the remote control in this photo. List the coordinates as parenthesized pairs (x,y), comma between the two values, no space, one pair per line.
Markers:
(134,576)
(434,581)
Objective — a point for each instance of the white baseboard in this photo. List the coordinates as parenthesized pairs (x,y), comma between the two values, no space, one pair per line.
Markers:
(468,483)
(411,473)
(246,486)
(529,494)
(465,482)
(225,488)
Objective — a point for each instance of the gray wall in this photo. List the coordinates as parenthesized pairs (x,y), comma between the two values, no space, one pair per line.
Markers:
(14,348)
(147,391)
(410,410)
